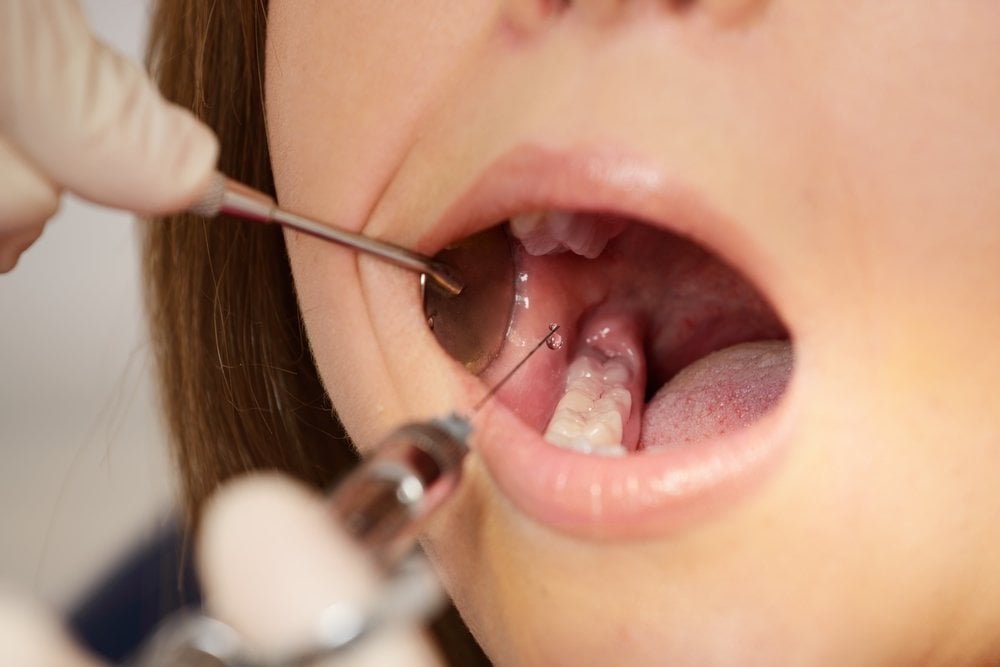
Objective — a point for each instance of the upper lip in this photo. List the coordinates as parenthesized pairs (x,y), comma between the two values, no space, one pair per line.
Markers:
(559,489)
(532,178)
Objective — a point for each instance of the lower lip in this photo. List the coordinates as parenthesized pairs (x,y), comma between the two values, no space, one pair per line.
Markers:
(639,495)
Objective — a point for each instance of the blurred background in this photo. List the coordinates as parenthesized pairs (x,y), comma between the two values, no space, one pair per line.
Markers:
(84,471)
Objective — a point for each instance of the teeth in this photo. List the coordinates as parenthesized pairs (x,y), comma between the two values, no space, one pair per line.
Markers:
(590,416)
(553,232)
(530,229)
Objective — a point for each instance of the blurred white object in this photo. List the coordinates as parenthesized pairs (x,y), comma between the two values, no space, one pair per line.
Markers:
(274,565)
(275,533)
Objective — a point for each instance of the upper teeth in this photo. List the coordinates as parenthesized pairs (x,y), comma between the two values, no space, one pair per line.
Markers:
(551,232)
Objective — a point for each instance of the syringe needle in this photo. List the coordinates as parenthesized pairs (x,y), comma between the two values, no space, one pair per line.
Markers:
(553,328)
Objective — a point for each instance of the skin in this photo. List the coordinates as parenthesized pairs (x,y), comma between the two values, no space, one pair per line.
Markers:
(854,144)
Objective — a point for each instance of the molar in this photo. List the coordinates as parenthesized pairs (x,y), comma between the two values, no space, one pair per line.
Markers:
(590,416)
(554,232)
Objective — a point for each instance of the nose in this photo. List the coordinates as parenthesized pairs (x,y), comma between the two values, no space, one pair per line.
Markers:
(529,15)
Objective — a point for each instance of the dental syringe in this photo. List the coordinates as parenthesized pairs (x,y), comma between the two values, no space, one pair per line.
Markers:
(387,500)
(384,504)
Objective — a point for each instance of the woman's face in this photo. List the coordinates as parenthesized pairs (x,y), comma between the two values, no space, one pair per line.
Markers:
(822,489)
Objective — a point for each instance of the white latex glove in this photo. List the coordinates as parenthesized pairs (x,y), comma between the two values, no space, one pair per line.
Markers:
(271,562)
(76,116)
(29,637)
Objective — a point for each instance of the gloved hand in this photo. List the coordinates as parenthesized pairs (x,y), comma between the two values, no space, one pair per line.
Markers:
(271,562)
(30,638)
(76,116)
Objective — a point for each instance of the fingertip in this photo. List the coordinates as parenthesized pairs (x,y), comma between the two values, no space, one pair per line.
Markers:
(191,161)
(272,561)
(13,245)
(27,201)
(31,637)
(174,167)
(115,140)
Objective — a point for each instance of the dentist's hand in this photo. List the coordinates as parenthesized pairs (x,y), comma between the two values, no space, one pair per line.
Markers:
(76,116)
(30,637)
(271,563)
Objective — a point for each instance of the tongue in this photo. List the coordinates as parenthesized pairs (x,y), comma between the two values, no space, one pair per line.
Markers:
(723,392)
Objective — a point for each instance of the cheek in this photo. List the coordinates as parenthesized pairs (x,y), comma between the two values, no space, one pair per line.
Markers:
(911,132)
(917,147)
(347,85)
(341,112)
(369,337)
(326,284)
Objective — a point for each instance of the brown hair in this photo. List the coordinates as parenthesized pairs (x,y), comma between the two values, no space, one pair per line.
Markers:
(238,383)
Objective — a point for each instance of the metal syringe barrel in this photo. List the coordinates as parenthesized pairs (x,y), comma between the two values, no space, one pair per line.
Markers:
(386,501)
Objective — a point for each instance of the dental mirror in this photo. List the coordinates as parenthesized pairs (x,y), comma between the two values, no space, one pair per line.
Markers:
(472,326)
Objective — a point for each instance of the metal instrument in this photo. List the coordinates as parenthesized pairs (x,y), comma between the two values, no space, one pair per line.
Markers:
(226,196)
(384,503)
(468,288)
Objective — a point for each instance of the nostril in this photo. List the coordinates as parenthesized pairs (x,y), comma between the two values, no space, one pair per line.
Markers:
(524,17)
(724,12)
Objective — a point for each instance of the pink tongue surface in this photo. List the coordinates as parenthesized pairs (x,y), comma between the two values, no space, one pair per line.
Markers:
(722,392)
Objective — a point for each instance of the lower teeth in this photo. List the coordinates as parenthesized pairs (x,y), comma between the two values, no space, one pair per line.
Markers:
(590,416)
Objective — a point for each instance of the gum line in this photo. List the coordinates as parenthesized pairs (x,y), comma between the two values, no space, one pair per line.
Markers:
(600,409)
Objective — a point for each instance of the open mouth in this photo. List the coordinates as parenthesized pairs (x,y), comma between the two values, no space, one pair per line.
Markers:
(665,344)
(671,368)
